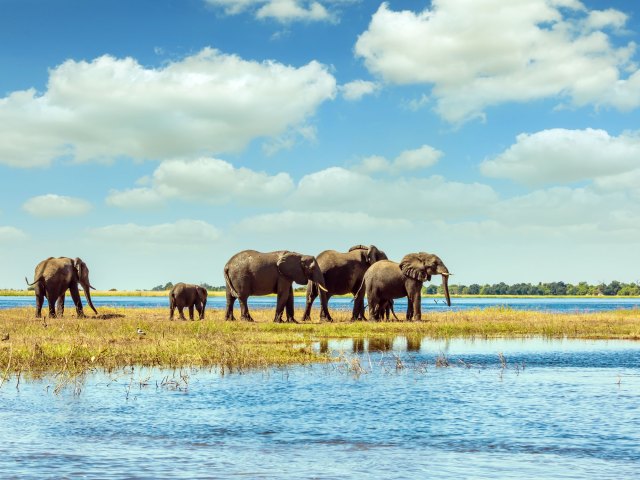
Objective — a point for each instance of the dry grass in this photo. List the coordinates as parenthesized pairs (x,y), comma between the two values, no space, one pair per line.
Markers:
(71,345)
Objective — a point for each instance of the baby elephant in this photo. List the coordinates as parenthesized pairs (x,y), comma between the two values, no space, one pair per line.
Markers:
(187,295)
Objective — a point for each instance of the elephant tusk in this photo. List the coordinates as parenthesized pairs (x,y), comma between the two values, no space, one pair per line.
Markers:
(322,288)
(447,274)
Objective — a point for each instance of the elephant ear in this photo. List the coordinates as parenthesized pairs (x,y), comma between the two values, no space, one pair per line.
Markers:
(79,265)
(373,255)
(413,266)
(290,266)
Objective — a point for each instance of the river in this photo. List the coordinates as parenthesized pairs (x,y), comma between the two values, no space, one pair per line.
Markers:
(549,304)
(481,409)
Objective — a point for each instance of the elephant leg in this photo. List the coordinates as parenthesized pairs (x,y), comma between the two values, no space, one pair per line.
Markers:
(200,309)
(281,302)
(172,309)
(60,305)
(417,308)
(409,309)
(181,312)
(51,300)
(244,310)
(324,307)
(191,312)
(289,307)
(358,307)
(39,300)
(312,293)
(75,295)
(373,305)
(230,301)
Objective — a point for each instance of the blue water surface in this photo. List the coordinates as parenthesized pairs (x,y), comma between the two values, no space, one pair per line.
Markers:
(341,303)
(493,409)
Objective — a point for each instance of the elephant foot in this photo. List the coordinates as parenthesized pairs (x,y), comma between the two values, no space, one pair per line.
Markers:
(248,319)
(292,320)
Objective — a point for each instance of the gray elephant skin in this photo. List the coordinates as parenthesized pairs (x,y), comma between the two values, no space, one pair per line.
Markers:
(53,277)
(343,274)
(387,280)
(250,273)
(190,296)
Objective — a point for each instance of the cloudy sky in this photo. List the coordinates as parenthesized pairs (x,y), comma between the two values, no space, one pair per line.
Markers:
(154,139)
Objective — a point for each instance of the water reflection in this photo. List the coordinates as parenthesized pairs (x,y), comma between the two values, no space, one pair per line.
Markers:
(572,413)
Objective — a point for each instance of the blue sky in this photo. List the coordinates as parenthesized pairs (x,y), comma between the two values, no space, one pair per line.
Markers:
(154,139)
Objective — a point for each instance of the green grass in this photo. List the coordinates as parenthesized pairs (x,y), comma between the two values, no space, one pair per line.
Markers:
(71,345)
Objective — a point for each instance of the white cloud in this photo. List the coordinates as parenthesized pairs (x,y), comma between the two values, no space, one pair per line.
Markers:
(142,198)
(562,156)
(486,52)
(623,181)
(182,232)
(11,234)
(55,206)
(293,10)
(321,221)
(416,159)
(357,89)
(284,11)
(205,179)
(206,103)
(409,198)
(561,207)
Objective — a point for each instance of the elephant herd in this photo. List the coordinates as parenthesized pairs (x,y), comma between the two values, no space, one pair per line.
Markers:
(360,271)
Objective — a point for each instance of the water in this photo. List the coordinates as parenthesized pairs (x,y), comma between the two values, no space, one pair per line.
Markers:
(544,409)
(345,304)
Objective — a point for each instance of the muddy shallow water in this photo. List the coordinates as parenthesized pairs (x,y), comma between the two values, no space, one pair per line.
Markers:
(403,408)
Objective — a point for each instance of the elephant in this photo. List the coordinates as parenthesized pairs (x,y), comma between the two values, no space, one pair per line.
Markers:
(255,273)
(343,273)
(187,295)
(387,280)
(53,277)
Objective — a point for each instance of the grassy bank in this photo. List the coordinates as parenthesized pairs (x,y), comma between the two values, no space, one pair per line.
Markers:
(70,345)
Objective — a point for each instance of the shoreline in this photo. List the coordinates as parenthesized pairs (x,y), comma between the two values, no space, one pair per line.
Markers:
(217,293)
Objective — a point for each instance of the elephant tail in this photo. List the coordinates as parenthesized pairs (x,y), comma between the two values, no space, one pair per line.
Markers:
(393,311)
(359,289)
(34,282)
(227,280)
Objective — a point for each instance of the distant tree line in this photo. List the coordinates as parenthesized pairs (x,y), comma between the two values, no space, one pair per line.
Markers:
(614,288)
(169,286)
(552,288)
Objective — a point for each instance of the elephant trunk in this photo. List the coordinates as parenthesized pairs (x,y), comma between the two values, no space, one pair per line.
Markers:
(318,279)
(87,294)
(445,286)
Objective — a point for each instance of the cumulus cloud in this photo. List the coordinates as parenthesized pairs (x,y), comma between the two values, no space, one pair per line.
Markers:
(11,234)
(320,221)
(140,198)
(357,89)
(182,232)
(55,206)
(407,197)
(205,179)
(205,103)
(486,52)
(284,11)
(563,156)
(409,160)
